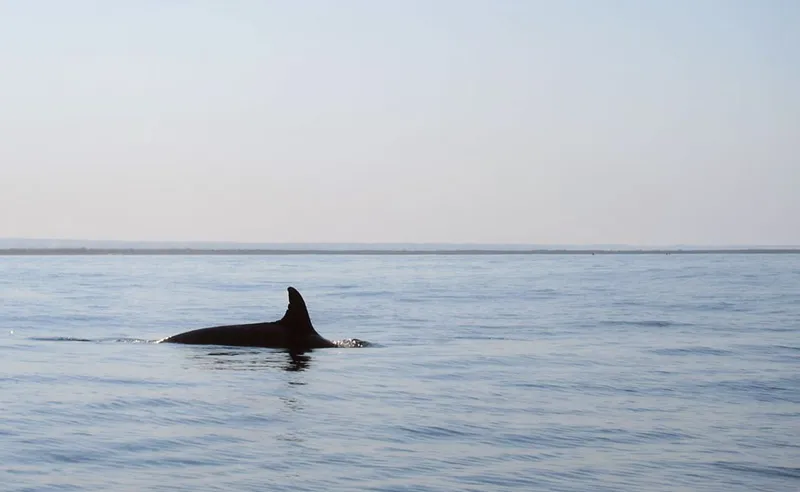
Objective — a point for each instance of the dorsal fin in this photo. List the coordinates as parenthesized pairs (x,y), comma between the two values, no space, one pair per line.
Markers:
(296,313)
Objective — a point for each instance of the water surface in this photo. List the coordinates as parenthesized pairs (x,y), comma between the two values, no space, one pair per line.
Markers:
(519,372)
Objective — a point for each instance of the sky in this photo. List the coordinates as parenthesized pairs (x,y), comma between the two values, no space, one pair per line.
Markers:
(531,122)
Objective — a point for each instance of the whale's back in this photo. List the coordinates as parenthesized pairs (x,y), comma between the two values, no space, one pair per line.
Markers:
(247,335)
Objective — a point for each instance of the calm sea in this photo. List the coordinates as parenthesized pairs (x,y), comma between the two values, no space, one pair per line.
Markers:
(518,372)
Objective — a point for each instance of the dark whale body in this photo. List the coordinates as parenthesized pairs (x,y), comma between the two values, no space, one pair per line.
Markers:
(293,332)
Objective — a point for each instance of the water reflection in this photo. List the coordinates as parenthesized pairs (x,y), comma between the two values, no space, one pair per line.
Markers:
(297,362)
(252,360)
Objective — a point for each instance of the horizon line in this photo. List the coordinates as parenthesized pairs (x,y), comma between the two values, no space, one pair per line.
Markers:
(374,252)
(358,245)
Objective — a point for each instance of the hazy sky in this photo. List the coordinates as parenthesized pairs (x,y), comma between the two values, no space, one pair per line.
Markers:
(638,122)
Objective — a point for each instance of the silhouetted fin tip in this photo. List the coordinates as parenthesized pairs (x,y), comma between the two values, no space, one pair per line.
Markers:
(296,312)
(294,295)
(296,301)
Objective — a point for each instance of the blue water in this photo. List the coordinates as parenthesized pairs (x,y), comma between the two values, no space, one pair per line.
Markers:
(568,373)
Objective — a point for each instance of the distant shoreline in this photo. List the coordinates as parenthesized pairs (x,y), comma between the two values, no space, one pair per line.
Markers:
(374,252)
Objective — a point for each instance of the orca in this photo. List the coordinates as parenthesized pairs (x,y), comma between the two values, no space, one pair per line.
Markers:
(293,332)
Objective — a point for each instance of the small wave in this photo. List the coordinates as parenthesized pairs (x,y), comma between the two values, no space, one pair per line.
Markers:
(96,340)
(775,471)
(722,306)
(60,339)
(691,351)
(436,432)
(779,329)
(470,336)
(655,323)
